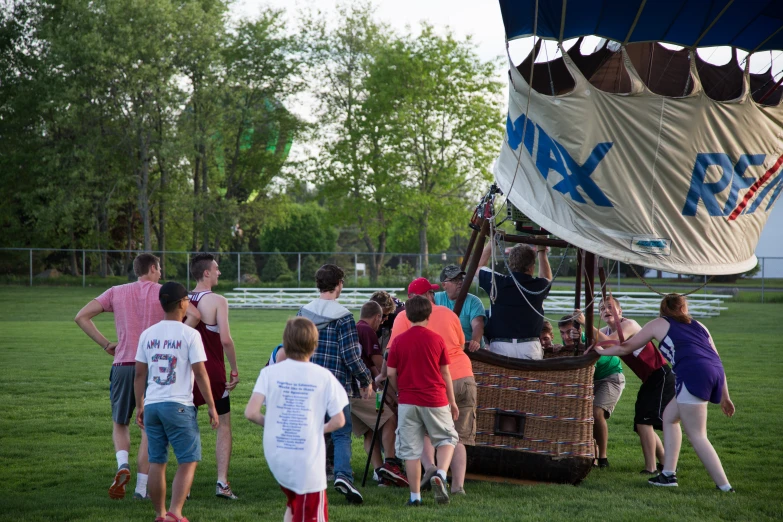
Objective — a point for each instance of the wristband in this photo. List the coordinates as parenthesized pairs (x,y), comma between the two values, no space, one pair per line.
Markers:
(234,374)
(107,346)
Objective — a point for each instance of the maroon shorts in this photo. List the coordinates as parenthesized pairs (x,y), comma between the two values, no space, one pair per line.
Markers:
(310,507)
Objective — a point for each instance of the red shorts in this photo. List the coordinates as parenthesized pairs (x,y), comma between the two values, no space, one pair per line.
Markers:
(310,507)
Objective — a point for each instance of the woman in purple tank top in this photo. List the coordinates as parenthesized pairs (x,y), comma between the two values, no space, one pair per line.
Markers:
(699,379)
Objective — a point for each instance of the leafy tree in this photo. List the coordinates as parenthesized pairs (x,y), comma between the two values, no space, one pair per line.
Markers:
(304,228)
(275,268)
(310,266)
(444,116)
(359,174)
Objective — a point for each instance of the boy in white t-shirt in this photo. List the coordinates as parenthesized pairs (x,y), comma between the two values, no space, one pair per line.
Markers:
(170,354)
(298,395)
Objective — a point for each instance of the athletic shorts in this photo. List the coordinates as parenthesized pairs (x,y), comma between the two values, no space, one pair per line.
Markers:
(654,394)
(608,391)
(222,406)
(412,424)
(309,507)
(686,397)
(363,416)
(172,423)
(122,394)
(465,396)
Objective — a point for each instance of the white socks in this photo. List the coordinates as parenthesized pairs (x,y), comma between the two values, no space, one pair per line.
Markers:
(668,473)
(725,487)
(141,484)
(122,458)
(415,496)
(442,474)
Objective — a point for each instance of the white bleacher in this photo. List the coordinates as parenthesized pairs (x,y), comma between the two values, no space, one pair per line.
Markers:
(637,304)
(559,302)
(294,298)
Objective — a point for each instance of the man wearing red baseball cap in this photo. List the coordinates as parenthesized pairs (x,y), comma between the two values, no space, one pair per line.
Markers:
(446,323)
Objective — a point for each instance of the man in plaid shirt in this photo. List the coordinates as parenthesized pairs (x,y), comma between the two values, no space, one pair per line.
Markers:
(339,352)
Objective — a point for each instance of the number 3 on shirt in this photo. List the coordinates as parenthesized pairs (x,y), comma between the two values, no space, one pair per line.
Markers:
(168,371)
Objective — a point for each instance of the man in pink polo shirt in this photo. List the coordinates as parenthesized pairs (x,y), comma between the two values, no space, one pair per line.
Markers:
(135,307)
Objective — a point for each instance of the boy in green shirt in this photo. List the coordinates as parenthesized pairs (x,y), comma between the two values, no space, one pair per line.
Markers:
(608,382)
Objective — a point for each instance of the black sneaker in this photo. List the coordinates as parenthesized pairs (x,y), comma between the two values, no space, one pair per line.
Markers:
(664,480)
(601,463)
(659,467)
(346,487)
(425,479)
(413,503)
(440,489)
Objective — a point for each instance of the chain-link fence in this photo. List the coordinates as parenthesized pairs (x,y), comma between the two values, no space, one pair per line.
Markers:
(39,266)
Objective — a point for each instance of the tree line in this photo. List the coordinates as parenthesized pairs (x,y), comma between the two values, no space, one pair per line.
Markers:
(167,125)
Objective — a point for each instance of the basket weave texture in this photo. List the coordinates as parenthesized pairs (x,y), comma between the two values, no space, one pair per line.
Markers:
(556,408)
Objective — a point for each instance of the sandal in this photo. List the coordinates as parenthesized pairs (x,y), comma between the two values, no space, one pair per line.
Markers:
(175,517)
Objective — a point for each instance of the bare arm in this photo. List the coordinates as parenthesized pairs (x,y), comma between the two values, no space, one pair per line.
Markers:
(477,324)
(391,373)
(725,401)
(84,320)
(227,342)
(629,326)
(139,387)
(377,364)
(446,374)
(486,254)
(655,329)
(544,270)
(192,316)
(200,372)
(253,409)
(335,423)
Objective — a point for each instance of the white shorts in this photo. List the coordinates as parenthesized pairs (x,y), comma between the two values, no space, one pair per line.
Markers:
(525,350)
(686,397)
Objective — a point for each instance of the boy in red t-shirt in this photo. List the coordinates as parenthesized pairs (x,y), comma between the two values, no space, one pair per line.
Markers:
(418,367)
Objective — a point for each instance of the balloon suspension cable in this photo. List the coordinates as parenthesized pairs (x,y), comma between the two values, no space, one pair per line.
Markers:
(522,290)
(527,109)
(643,280)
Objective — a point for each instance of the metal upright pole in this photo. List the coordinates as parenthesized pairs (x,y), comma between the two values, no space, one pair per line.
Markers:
(84,275)
(473,267)
(589,264)
(187,269)
(355,269)
(578,286)
(762,278)
(239,270)
(299,269)
(31,267)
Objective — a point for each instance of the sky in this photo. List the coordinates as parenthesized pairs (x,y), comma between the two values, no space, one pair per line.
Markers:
(482,20)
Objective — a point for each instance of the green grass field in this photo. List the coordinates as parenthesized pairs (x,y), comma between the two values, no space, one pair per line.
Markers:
(57,459)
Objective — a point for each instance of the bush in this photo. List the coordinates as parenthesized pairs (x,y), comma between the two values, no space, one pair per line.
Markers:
(275,267)
(310,266)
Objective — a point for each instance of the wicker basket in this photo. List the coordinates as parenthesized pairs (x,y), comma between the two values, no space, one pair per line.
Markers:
(534,419)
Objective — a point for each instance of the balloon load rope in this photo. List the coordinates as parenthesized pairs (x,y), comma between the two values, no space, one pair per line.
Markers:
(522,290)
(650,287)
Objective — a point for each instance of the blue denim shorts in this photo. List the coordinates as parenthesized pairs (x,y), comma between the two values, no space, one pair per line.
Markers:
(175,423)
